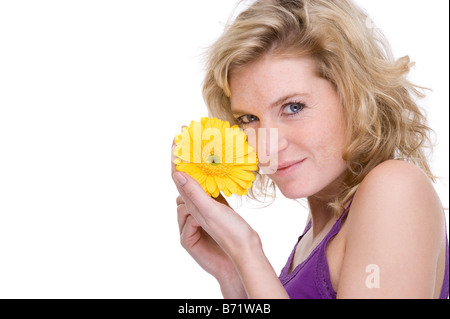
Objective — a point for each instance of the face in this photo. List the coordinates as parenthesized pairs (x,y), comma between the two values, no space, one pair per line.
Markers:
(287,94)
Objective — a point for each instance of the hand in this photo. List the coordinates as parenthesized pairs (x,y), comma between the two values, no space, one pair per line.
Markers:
(202,247)
(211,232)
(223,243)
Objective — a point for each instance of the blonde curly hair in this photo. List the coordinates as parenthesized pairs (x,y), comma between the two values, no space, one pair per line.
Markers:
(383,120)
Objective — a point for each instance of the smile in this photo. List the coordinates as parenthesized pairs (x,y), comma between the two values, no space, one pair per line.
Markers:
(288,168)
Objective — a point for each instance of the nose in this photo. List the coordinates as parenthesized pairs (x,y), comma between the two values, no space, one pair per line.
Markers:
(274,139)
(270,141)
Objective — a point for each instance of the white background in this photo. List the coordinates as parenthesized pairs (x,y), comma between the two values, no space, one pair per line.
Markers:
(91,96)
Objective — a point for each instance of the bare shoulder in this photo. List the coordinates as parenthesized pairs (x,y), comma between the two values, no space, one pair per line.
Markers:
(396,217)
(397,190)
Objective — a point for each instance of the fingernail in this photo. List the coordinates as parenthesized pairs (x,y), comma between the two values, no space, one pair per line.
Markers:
(179,179)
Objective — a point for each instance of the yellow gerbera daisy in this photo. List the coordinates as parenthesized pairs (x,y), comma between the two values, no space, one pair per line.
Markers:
(217,156)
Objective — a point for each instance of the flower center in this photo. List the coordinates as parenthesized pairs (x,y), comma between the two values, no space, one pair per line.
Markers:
(213,166)
(213,160)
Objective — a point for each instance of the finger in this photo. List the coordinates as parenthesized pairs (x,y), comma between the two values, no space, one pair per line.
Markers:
(190,235)
(182,214)
(219,199)
(195,198)
(172,155)
(180,200)
(222,200)
(172,158)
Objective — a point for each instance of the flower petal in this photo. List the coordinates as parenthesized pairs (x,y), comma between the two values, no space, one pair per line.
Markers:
(240,182)
(244,175)
(226,192)
(231,186)
(241,191)
(249,167)
(220,182)
(216,193)
(211,184)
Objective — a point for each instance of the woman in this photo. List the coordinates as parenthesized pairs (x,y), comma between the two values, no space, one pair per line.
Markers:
(350,140)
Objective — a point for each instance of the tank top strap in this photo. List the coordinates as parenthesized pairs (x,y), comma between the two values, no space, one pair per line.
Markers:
(308,226)
(346,210)
(337,226)
(322,272)
(311,278)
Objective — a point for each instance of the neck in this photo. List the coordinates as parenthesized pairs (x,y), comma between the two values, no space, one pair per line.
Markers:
(321,214)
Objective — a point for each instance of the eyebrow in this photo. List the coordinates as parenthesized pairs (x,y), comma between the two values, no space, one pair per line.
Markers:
(276,103)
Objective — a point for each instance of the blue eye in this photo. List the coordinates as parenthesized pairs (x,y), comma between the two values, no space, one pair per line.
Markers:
(247,119)
(293,108)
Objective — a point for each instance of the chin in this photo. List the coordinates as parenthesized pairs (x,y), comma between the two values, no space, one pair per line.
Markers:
(294,191)
(294,195)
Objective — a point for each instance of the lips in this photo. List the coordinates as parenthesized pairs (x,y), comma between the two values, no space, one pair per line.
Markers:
(288,167)
(288,164)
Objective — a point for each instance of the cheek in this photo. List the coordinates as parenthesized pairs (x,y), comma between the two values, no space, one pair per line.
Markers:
(263,141)
(331,145)
(325,139)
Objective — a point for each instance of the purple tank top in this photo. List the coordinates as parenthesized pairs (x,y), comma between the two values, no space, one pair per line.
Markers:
(311,278)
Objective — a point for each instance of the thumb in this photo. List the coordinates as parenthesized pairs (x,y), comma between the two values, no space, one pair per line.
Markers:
(193,194)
